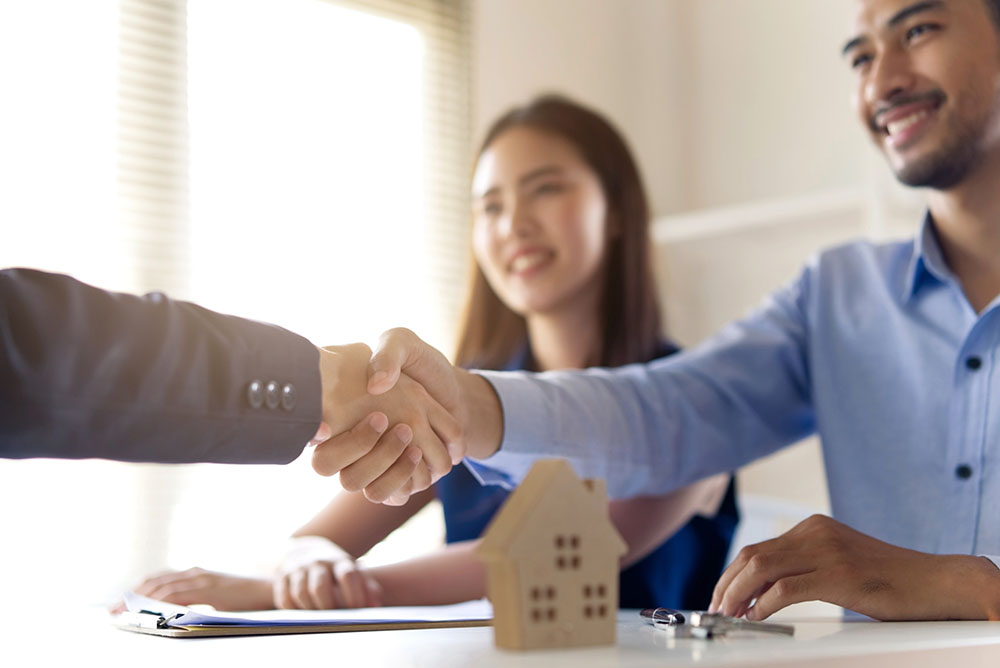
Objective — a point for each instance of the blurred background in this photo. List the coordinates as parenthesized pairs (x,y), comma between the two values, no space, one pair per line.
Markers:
(306,162)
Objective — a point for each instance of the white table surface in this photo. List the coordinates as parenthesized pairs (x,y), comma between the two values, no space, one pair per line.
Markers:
(86,637)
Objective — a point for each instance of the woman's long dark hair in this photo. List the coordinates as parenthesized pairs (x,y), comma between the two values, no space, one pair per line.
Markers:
(491,333)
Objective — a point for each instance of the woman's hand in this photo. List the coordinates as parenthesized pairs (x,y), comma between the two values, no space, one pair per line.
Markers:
(222,591)
(319,575)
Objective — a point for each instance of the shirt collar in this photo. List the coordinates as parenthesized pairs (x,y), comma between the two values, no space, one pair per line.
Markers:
(927,263)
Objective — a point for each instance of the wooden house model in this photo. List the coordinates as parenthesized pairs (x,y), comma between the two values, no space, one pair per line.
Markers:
(552,557)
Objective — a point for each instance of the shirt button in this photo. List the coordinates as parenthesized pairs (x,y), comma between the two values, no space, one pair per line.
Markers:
(963,471)
(273,395)
(255,394)
(288,397)
(973,362)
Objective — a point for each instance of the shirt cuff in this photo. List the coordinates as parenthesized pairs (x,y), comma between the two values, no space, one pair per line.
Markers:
(507,467)
(994,558)
(485,475)
(526,410)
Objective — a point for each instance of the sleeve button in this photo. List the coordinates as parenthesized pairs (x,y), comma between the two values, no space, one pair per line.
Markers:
(272,395)
(963,471)
(288,397)
(255,394)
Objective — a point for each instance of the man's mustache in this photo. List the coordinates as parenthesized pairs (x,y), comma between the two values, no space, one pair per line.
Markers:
(937,97)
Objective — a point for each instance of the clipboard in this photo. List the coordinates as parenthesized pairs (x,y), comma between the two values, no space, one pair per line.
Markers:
(157,618)
(153,624)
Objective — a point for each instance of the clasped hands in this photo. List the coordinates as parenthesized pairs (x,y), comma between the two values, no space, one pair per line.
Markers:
(397,420)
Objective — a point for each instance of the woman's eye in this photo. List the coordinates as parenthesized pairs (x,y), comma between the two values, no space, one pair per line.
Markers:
(492,209)
(546,188)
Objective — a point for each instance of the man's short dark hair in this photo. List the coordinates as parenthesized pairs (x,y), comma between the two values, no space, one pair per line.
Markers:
(994,7)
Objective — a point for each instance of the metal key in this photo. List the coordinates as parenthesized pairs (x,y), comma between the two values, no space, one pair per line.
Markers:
(712,624)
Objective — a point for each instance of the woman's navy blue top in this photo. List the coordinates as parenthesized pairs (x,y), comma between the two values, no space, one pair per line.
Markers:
(680,573)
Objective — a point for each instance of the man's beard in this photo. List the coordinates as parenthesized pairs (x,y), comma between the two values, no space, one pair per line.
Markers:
(948,166)
(961,151)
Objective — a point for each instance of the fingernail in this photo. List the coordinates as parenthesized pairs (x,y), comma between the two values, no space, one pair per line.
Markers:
(405,434)
(414,454)
(323,434)
(456,453)
(379,422)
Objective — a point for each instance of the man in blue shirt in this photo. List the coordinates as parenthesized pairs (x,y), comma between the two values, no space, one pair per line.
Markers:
(891,353)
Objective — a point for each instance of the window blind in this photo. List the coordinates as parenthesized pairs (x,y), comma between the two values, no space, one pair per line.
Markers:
(445,25)
(152,147)
(153,153)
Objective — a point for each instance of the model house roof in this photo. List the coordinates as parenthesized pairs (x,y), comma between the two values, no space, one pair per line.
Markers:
(551,481)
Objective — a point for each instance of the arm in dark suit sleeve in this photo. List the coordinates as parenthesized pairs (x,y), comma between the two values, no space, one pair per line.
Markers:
(90,373)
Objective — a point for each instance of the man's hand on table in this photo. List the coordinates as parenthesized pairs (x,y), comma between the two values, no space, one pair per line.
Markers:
(822,559)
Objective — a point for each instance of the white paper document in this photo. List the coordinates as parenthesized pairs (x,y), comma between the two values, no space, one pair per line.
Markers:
(181,616)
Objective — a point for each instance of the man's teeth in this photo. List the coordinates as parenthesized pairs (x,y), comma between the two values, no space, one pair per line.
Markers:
(898,126)
(528,261)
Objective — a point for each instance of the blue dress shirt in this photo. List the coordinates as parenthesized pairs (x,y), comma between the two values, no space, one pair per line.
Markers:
(873,347)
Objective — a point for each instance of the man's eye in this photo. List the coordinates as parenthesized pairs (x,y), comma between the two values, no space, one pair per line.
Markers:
(860,61)
(920,29)
(492,209)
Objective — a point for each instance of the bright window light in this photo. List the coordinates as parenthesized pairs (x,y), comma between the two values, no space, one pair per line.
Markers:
(58,74)
(307,210)
(306,167)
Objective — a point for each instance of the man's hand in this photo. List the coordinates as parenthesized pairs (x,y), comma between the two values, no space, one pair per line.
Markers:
(382,464)
(451,412)
(466,396)
(822,559)
(354,421)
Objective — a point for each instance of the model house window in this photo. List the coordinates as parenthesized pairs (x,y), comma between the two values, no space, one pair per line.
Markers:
(595,597)
(543,603)
(568,552)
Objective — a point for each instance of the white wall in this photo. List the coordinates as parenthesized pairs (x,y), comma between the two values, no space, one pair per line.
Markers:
(724,101)
(772,100)
(605,53)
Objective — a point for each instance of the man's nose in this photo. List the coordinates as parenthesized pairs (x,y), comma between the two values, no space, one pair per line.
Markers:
(890,75)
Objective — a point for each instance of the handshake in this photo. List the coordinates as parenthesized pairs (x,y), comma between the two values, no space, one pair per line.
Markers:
(396,421)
